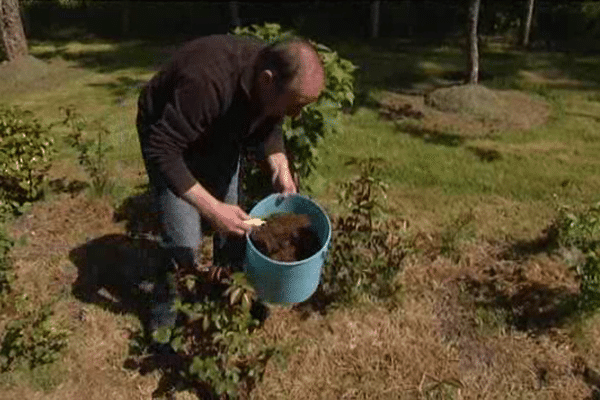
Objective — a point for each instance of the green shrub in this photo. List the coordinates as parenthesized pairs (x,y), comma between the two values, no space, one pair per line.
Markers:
(25,157)
(580,231)
(89,140)
(6,271)
(366,254)
(215,337)
(32,341)
(319,119)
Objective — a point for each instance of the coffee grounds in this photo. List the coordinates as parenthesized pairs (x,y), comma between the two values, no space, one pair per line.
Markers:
(286,237)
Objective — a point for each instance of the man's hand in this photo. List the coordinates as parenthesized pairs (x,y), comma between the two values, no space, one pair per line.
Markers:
(282,179)
(230,219)
(283,182)
(226,218)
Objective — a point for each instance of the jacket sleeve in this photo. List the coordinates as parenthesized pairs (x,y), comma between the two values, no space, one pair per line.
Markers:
(186,118)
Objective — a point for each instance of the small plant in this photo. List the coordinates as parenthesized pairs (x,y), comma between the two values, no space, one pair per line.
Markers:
(365,255)
(461,229)
(26,150)
(434,389)
(6,271)
(32,341)
(215,338)
(92,151)
(580,231)
(360,196)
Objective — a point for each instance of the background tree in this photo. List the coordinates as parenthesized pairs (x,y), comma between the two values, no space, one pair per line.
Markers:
(473,42)
(375,7)
(11,28)
(528,21)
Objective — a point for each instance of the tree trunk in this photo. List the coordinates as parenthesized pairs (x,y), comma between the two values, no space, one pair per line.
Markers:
(473,43)
(234,7)
(375,6)
(528,20)
(11,28)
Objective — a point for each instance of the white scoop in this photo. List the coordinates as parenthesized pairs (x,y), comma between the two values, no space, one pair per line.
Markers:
(255,222)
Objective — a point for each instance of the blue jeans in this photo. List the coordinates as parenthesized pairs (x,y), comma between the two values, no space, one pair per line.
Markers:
(182,227)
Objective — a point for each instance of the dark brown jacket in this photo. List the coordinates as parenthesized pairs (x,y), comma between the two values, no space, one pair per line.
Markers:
(199,106)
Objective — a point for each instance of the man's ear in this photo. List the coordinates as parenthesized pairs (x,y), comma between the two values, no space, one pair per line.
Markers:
(266,77)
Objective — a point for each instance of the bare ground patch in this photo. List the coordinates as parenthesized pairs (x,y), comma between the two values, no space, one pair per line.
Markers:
(465,110)
(33,74)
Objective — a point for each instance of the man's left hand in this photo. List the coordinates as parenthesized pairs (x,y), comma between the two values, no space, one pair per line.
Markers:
(283,180)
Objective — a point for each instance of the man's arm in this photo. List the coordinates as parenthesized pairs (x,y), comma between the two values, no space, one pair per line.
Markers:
(282,177)
(195,106)
(226,217)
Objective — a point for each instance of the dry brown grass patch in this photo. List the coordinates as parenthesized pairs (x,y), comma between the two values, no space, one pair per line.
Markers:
(51,231)
(476,303)
(92,366)
(368,353)
(514,110)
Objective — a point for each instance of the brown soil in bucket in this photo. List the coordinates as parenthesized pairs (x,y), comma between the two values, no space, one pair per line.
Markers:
(286,237)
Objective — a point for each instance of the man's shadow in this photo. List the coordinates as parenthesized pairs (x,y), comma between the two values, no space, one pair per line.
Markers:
(116,271)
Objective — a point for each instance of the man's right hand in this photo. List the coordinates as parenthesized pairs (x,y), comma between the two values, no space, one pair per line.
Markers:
(230,219)
(227,219)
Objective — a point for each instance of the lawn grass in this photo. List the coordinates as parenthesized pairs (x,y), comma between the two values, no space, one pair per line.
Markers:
(555,162)
(535,168)
(435,337)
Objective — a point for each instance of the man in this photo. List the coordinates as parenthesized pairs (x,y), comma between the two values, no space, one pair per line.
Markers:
(216,95)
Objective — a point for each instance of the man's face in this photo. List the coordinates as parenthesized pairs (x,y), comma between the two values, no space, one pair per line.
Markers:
(291,100)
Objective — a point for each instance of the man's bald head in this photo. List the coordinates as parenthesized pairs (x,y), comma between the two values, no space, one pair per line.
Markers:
(289,76)
(295,63)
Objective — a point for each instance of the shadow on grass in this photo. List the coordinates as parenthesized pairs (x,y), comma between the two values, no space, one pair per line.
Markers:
(139,214)
(122,88)
(532,307)
(487,155)
(584,115)
(170,367)
(110,56)
(112,272)
(117,271)
(63,185)
(431,136)
(521,250)
(396,65)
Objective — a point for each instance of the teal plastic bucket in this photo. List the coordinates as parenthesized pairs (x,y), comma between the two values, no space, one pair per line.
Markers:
(287,282)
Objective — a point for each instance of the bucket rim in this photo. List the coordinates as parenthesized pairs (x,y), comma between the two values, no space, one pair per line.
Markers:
(294,263)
